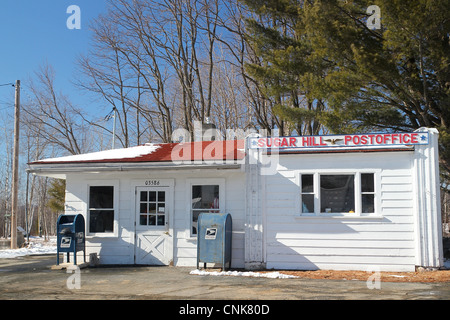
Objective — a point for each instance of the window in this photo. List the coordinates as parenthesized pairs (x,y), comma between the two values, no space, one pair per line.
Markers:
(307,193)
(205,198)
(152,208)
(337,193)
(367,193)
(101,209)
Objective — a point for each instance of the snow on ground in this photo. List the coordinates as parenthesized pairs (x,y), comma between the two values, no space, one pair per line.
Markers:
(37,245)
(272,275)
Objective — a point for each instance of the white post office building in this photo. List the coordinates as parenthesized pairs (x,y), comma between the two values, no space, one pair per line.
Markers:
(341,202)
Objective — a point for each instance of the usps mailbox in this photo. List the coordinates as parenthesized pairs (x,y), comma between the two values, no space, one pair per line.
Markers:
(214,239)
(71,236)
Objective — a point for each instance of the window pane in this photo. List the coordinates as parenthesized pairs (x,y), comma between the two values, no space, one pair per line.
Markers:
(367,182)
(161,196)
(152,220)
(143,195)
(205,197)
(307,203)
(368,205)
(161,220)
(195,215)
(337,193)
(143,208)
(307,183)
(143,220)
(152,196)
(152,208)
(101,220)
(101,197)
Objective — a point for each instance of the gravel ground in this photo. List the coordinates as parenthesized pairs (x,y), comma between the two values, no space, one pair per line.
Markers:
(424,276)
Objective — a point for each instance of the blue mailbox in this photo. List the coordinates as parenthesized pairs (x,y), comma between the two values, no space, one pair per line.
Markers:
(214,239)
(70,236)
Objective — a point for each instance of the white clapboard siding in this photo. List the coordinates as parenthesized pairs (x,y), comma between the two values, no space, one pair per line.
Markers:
(186,246)
(384,241)
(119,249)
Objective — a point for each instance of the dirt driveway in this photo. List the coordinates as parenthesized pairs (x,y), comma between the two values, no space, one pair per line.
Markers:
(31,278)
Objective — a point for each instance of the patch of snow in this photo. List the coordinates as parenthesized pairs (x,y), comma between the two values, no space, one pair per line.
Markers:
(272,275)
(131,152)
(36,246)
(447,264)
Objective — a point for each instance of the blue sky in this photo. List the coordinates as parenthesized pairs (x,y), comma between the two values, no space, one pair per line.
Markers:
(34,32)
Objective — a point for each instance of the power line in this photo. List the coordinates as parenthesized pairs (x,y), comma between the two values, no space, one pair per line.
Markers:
(7,84)
(5,103)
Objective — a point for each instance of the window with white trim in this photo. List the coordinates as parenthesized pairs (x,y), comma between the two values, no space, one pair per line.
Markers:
(204,199)
(367,193)
(101,209)
(337,193)
(307,193)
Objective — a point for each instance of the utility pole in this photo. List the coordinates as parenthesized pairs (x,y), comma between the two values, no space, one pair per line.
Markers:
(15,173)
(26,207)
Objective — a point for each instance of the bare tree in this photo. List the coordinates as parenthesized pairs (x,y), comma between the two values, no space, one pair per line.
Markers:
(52,117)
(167,63)
(167,50)
(5,177)
(235,42)
(123,67)
(108,73)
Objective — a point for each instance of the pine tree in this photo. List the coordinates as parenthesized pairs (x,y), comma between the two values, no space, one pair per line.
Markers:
(289,68)
(395,77)
(57,195)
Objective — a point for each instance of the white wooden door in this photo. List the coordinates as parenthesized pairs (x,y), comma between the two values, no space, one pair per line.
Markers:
(153,239)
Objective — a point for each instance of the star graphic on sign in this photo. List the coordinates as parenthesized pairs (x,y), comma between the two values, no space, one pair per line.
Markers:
(423,138)
(254,143)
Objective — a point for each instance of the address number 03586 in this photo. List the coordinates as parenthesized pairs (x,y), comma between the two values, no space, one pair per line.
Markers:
(152,183)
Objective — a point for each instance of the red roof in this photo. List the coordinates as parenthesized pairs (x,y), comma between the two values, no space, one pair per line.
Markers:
(202,150)
(168,152)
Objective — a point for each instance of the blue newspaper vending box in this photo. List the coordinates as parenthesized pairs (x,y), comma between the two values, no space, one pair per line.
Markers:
(214,239)
(70,236)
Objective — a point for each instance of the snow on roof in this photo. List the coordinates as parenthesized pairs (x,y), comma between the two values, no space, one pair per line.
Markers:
(165,152)
(114,154)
